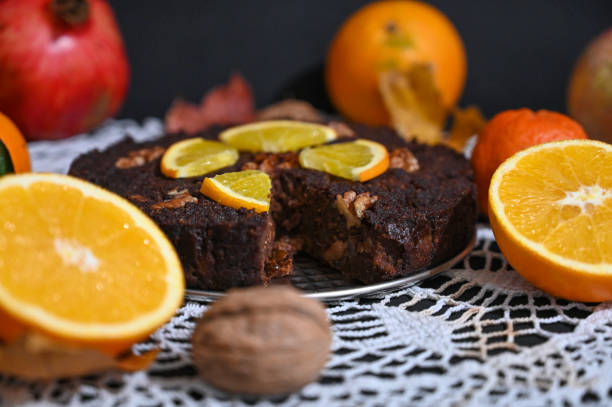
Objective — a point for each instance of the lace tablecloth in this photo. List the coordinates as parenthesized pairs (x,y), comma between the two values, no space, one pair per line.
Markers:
(476,335)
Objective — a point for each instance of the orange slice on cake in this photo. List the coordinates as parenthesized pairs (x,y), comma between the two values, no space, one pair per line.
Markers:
(196,156)
(358,160)
(277,136)
(248,189)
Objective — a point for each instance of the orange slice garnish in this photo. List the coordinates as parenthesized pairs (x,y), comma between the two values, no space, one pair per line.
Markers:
(277,136)
(243,189)
(196,156)
(358,160)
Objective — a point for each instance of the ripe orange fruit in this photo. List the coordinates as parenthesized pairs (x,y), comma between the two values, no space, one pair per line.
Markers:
(11,139)
(511,131)
(589,98)
(81,264)
(385,36)
(551,212)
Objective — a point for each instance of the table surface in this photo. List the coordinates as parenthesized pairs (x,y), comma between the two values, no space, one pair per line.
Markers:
(477,334)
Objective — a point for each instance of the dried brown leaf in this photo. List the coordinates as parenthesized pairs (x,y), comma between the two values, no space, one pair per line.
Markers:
(466,123)
(226,104)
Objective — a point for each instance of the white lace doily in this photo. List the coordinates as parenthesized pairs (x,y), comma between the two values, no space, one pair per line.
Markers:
(476,335)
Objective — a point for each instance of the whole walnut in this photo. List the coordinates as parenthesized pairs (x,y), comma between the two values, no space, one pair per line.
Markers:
(262,340)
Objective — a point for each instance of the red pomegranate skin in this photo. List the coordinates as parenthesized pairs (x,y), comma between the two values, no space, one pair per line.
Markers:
(57,79)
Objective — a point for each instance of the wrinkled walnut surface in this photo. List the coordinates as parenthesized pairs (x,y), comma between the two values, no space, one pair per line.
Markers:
(262,341)
(404,159)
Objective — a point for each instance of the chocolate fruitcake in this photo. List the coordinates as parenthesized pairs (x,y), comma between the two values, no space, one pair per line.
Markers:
(420,212)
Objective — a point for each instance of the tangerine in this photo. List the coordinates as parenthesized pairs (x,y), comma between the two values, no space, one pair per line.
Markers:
(391,36)
(15,144)
(511,131)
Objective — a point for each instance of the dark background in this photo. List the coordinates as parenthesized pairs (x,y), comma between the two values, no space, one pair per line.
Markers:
(520,52)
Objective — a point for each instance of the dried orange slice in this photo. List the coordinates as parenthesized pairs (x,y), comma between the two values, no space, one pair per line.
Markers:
(551,212)
(277,136)
(358,160)
(243,189)
(196,156)
(82,264)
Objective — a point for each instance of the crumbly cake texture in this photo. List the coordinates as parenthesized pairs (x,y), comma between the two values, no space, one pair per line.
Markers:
(400,222)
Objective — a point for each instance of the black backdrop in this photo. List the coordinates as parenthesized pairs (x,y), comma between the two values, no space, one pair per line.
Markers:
(520,52)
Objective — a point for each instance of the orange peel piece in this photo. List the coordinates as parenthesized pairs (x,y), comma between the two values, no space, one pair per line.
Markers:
(467,122)
(37,357)
(414,103)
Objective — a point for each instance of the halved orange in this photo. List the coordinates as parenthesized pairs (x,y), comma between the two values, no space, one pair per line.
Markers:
(277,136)
(82,264)
(248,189)
(196,156)
(358,160)
(551,212)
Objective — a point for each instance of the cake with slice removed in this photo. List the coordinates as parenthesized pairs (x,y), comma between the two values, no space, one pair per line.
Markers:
(420,212)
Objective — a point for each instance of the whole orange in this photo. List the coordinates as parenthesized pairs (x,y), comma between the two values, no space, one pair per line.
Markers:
(15,144)
(589,98)
(391,35)
(511,131)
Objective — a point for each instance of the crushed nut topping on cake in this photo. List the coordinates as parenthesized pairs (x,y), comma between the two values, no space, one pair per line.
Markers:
(176,191)
(138,198)
(268,163)
(139,157)
(363,202)
(353,206)
(181,198)
(342,130)
(250,166)
(290,109)
(404,159)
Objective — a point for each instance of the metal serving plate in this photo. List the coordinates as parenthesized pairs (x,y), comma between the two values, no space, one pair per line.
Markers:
(319,281)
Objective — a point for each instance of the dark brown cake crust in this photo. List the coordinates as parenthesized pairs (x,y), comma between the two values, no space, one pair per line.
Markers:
(391,226)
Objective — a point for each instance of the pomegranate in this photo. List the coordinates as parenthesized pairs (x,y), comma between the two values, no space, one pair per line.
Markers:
(589,98)
(63,67)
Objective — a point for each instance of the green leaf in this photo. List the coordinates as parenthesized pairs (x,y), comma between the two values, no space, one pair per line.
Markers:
(6,164)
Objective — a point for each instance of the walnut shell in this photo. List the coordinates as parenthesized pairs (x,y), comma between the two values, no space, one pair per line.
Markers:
(262,341)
